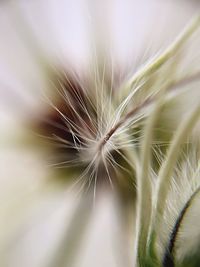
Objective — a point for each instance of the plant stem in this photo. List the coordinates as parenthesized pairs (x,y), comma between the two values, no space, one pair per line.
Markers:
(166,55)
(149,101)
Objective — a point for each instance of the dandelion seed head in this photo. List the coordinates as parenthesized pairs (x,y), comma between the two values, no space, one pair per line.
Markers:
(78,125)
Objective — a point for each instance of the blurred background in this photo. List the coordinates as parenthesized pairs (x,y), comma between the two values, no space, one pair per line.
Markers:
(42,222)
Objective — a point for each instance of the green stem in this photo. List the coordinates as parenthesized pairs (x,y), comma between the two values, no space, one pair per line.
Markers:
(149,68)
